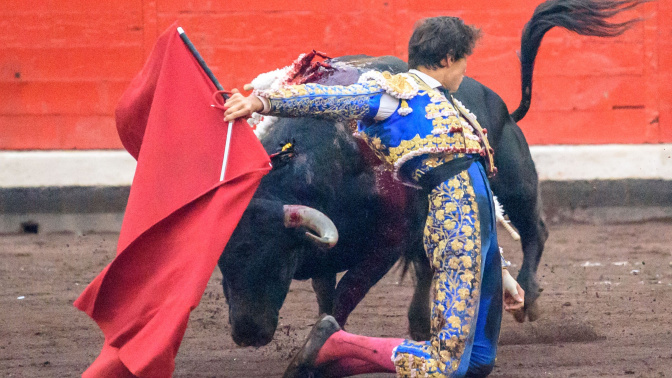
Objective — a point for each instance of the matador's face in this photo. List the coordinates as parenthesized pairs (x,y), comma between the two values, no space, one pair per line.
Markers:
(454,73)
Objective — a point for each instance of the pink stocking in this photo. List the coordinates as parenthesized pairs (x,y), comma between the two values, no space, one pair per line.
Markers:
(344,348)
(347,367)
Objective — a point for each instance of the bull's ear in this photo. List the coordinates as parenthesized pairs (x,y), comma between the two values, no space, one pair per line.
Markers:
(286,152)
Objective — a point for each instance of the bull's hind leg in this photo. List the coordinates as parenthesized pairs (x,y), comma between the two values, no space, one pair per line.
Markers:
(357,281)
(525,214)
(517,187)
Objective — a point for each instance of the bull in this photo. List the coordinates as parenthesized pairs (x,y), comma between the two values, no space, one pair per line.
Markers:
(329,174)
(378,220)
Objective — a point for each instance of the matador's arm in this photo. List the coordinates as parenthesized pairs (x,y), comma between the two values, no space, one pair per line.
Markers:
(374,97)
(352,102)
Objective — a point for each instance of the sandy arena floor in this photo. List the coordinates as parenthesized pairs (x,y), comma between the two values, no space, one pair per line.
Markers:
(607,305)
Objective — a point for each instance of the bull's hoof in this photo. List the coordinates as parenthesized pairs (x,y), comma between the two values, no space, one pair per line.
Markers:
(420,334)
(533,312)
(302,365)
(519,315)
(419,322)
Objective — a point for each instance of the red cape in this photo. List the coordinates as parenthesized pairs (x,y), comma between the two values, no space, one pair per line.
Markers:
(179,215)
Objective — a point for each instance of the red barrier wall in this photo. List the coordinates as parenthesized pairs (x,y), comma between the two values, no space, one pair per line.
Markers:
(63,65)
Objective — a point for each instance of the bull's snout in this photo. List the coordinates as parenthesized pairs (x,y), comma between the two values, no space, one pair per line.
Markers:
(247,332)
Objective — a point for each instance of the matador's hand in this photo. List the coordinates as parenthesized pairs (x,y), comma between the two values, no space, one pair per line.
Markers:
(240,106)
(514,295)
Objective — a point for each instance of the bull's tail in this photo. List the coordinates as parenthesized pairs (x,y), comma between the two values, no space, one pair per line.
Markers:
(585,17)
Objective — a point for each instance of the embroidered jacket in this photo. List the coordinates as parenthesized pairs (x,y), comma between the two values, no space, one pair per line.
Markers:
(425,130)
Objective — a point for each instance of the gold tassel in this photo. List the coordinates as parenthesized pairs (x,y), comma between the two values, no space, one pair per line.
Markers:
(404,109)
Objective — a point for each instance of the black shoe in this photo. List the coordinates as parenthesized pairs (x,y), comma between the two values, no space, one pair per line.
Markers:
(302,365)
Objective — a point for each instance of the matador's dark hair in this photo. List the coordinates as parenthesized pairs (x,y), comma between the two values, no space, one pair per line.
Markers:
(436,37)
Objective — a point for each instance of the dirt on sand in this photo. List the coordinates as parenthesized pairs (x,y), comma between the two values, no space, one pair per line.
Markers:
(607,310)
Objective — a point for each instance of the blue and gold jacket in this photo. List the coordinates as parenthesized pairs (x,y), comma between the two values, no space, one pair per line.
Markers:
(426,130)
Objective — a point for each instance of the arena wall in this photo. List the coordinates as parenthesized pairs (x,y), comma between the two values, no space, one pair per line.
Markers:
(65,64)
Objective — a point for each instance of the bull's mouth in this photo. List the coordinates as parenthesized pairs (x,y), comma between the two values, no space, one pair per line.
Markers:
(249,332)
(254,342)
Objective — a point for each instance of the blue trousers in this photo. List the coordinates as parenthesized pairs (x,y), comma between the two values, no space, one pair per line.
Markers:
(460,240)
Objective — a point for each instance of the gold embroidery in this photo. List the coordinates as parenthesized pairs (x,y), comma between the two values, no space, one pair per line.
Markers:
(401,86)
(488,152)
(454,244)
(398,83)
(443,142)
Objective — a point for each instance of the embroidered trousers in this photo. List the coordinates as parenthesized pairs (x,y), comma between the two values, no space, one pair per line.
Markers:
(461,243)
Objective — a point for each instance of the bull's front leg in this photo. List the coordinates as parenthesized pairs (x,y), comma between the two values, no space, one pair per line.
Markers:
(419,310)
(357,281)
(325,289)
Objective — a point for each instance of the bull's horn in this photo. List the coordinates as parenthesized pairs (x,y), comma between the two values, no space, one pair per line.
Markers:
(298,215)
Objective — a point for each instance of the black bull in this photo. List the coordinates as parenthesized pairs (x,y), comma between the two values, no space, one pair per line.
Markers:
(379,220)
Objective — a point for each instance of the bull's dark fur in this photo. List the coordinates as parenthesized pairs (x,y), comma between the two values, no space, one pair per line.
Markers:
(379,220)
(329,173)
(586,17)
